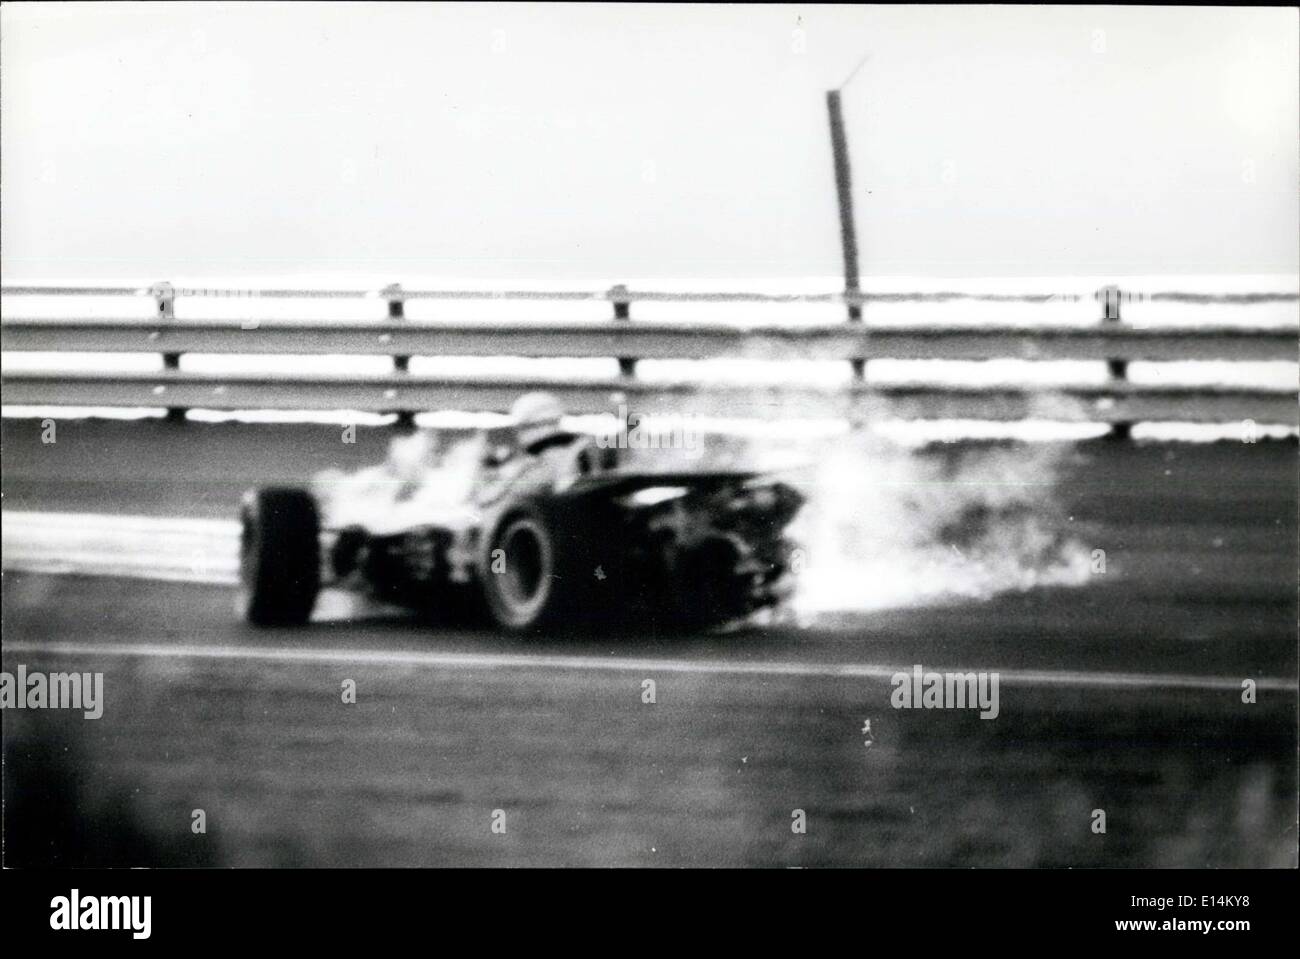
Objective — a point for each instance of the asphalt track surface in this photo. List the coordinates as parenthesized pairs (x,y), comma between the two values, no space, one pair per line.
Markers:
(1123,695)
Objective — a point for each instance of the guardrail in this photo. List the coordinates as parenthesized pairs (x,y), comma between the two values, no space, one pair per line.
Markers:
(1117,401)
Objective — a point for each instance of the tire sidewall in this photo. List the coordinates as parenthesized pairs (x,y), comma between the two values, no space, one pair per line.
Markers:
(543,607)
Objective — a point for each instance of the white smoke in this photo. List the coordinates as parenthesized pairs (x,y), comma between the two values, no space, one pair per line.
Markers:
(888,527)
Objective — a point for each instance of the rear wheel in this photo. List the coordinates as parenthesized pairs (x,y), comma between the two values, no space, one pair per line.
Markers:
(279,563)
(531,570)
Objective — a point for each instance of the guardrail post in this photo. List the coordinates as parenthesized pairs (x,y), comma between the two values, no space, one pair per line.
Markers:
(1110,297)
(622,311)
(164,295)
(401,364)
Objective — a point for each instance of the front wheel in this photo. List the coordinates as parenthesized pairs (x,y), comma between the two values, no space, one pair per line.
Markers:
(279,562)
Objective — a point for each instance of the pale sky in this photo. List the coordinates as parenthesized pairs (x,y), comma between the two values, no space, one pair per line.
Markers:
(509,141)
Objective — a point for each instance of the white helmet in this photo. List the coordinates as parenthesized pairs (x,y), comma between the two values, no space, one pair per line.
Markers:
(536,416)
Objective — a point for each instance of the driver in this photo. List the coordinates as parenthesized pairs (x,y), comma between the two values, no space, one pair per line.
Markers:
(536,417)
(537,452)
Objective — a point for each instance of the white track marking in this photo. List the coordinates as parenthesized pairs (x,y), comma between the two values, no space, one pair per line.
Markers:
(138,547)
(1027,677)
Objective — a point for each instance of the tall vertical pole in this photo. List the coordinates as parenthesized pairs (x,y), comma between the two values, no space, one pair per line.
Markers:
(848,233)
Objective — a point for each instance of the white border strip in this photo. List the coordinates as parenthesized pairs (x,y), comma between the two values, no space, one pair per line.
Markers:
(136,547)
(1044,678)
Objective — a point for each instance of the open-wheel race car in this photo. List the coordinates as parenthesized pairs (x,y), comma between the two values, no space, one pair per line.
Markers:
(556,532)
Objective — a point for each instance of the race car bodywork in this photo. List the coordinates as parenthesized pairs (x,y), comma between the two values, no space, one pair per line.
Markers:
(578,532)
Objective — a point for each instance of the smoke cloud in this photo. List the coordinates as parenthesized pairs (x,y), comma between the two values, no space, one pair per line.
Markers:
(888,527)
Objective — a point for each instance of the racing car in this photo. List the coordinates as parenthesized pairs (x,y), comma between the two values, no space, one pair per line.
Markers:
(537,535)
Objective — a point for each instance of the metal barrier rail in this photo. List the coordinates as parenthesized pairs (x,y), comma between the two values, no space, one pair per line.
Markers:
(1118,401)
(622,294)
(648,340)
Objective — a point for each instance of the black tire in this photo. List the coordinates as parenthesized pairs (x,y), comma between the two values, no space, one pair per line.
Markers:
(534,582)
(279,562)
